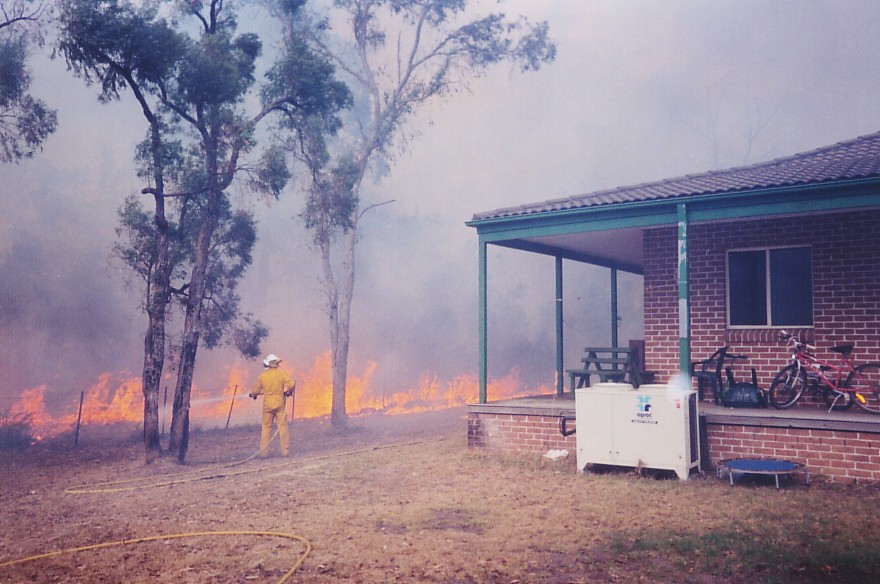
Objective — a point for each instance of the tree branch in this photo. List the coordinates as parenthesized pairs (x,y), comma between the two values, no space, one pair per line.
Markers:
(373,206)
(155,192)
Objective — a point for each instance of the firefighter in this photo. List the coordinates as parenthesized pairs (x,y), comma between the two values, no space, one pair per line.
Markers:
(275,386)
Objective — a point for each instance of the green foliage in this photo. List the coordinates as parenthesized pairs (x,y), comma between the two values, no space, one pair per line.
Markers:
(14,77)
(135,225)
(271,174)
(218,70)
(247,336)
(118,44)
(332,200)
(166,156)
(301,85)
(25,122)
(231,254)
(436,53)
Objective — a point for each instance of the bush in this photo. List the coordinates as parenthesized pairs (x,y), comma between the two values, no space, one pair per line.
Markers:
(16,432)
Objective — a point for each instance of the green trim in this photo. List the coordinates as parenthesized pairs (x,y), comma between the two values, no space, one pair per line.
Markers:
(799,198)
(790,206)
(614,314)
(483,317)
(560,339)
(584,220)
(684,308)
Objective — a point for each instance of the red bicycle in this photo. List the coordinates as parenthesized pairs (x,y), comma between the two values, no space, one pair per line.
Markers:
(840,384)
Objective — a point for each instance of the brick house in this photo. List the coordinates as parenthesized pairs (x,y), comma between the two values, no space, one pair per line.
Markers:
(728,258)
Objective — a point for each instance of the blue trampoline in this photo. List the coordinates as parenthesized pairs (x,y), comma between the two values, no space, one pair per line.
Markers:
(760,466)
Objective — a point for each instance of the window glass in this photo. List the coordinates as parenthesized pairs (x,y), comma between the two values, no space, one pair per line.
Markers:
(791,286)
(747,281)
(789,273)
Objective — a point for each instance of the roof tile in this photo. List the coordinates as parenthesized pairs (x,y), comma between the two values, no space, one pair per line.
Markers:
(850,160)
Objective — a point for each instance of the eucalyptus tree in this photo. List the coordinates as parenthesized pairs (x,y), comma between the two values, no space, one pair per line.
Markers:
(194,77)
(396,55)
(25,121)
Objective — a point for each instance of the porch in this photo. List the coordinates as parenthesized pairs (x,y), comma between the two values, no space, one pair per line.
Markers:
(716,252)
(840,446)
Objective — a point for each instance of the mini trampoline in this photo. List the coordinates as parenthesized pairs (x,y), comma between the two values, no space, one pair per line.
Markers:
(758,466)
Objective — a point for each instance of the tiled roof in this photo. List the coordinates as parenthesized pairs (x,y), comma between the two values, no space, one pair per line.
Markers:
(854,159)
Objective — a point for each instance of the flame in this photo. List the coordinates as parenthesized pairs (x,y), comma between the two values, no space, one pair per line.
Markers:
(101,405)
(109,401)
(31,410)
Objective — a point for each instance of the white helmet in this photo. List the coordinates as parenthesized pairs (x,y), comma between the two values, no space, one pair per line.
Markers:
(272,358)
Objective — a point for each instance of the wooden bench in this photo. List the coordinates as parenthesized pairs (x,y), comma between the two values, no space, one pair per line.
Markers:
(609,364)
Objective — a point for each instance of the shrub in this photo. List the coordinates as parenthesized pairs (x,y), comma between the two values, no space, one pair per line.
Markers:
(16,432)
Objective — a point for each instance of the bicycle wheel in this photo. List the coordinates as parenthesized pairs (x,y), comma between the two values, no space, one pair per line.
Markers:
(787,387)
(865,385)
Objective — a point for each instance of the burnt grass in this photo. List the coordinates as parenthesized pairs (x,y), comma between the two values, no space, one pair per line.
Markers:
(402,499)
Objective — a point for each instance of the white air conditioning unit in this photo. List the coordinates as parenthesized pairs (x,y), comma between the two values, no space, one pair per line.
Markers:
(654,426)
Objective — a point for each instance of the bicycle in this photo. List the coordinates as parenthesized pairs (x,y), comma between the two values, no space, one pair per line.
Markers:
(840,384)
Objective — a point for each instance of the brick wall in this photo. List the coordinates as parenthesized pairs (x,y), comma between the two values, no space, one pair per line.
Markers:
(846,307)
(525,434)
(846,289)
(843,456)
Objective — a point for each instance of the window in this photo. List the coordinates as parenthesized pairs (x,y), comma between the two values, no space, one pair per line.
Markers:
(770,287)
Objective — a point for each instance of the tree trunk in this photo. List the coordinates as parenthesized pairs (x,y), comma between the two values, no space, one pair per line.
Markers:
(157,295)
(179,443)
(154,357)
(340,326)
(192,328)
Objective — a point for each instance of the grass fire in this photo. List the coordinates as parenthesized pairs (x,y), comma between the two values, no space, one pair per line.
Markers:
(118,399)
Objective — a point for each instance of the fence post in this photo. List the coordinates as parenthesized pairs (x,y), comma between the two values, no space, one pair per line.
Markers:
(78,417)
(164,405)
(232,403)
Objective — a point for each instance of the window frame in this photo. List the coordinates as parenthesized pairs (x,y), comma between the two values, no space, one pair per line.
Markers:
(767,288)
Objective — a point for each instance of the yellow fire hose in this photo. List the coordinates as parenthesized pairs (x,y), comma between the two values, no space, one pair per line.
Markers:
(114,487)
(176,478)
(122,542)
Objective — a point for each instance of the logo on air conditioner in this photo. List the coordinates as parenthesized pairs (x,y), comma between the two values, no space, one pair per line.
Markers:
(644,415)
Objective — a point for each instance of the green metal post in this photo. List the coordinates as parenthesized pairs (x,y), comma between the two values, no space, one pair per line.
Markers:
(484,377)
(684,310)
(560,365)
(614,307)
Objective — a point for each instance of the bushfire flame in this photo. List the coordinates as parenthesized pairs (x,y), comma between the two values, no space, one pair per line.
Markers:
(110,402)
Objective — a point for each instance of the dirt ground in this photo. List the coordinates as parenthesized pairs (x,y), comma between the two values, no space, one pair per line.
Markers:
(402,499)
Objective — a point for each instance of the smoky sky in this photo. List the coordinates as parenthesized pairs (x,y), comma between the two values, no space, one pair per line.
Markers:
(640,91)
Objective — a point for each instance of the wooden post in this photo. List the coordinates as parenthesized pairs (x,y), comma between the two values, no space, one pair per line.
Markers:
(164,405)
(82,394)
(232,403)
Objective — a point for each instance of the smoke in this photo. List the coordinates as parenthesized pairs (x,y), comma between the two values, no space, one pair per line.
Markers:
(63,306)
(640,91)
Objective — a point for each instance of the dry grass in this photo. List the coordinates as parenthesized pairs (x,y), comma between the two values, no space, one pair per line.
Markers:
(426,511)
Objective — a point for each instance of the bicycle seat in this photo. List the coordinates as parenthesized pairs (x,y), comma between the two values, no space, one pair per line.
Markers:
(844,349)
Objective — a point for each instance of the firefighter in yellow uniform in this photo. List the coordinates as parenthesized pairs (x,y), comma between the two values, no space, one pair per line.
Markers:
(275,386)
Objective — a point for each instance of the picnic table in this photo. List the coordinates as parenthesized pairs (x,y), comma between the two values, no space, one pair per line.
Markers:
(617,364)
